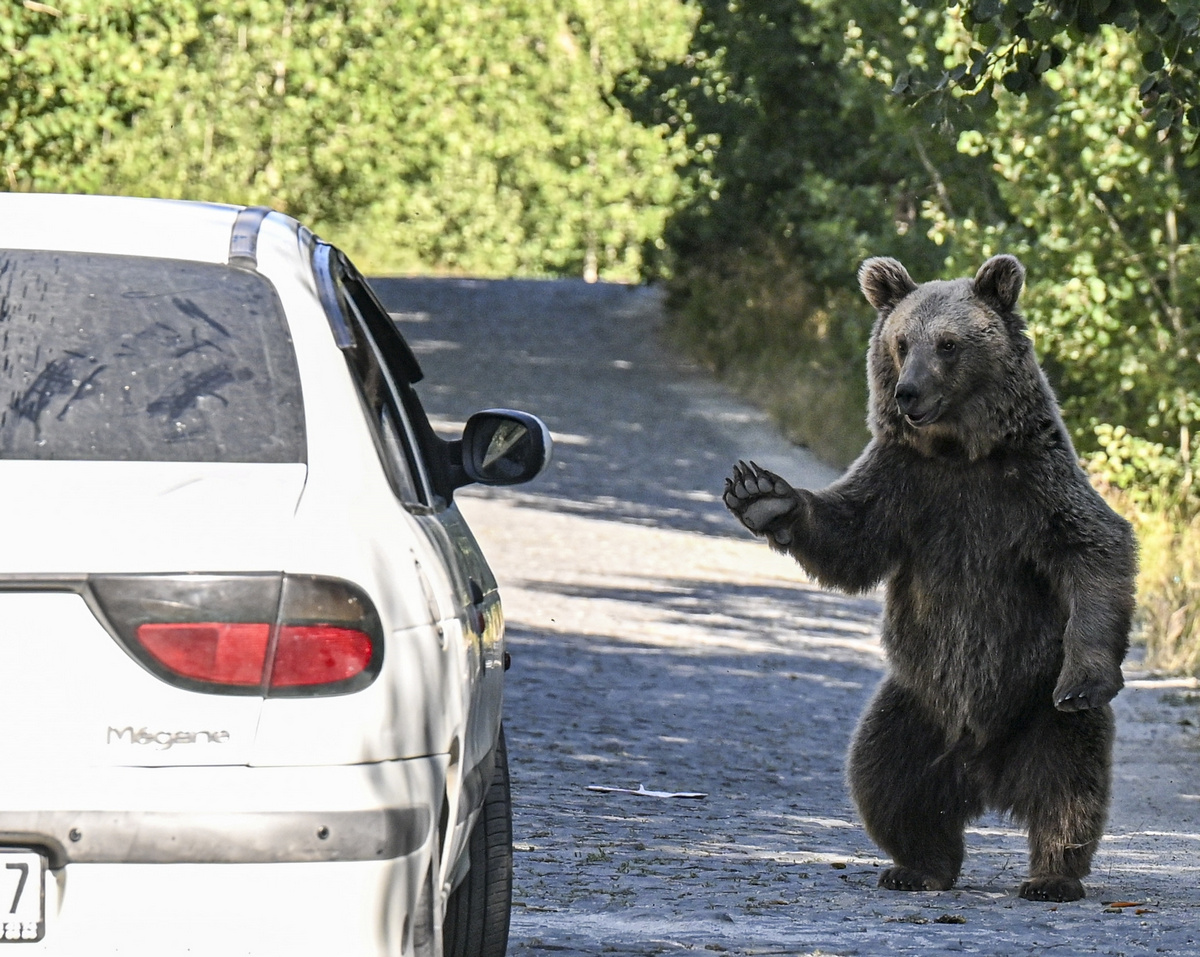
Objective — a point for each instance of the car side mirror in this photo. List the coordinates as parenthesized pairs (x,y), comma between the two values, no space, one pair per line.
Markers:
(503,447)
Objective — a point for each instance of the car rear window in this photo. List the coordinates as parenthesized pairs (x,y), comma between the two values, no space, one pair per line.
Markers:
(127,358)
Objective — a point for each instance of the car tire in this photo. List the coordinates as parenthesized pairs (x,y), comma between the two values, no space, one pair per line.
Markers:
(477,913)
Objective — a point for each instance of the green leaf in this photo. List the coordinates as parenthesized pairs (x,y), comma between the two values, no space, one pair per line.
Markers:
(988,34)
(1015,81)
(985,10)
(1043,29)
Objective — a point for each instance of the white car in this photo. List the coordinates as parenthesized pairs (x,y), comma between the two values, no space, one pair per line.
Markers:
(251,658)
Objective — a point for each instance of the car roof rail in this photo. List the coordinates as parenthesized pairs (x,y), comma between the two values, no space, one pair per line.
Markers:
(243,240)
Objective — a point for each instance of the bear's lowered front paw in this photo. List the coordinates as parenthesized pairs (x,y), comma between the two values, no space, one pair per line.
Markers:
(760,498)
(1077,693)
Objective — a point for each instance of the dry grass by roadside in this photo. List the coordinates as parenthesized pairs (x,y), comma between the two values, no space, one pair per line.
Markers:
(1168,586)
(755,322)
(822,410)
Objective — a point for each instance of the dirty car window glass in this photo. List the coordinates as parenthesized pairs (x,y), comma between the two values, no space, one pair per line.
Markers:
(136,359)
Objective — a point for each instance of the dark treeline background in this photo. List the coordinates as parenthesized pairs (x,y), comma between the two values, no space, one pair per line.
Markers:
(748,154)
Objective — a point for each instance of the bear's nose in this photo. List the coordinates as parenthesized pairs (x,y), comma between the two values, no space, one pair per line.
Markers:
(907,397)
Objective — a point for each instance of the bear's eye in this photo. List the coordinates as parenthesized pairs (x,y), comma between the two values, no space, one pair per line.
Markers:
(947,347)
(901,348)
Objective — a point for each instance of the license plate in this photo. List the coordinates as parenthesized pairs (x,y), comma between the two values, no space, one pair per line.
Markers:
(22,896)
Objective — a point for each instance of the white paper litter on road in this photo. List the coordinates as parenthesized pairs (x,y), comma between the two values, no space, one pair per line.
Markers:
(643,792)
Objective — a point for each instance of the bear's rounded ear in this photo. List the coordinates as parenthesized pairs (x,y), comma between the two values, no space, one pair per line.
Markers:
(999,282)
(884,281)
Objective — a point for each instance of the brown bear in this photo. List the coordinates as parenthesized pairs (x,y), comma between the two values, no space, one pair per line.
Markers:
(1009,585)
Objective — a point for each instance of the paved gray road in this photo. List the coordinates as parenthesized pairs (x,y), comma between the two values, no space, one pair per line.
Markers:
(656,644)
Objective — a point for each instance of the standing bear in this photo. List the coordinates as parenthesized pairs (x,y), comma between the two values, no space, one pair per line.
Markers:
(1009,585)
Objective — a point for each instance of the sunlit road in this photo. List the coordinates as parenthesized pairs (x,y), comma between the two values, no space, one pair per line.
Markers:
(656,644)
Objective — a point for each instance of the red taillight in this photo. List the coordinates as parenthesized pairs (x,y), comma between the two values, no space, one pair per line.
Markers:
(233,653)
(319,654)
(286,635)
(227,653)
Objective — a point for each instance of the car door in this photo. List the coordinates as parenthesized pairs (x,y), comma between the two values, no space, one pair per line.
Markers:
(418,466)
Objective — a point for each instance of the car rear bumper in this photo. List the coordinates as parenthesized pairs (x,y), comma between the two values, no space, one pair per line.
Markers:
(232,837)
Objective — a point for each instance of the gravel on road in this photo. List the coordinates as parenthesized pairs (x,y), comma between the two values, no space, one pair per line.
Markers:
(656,644)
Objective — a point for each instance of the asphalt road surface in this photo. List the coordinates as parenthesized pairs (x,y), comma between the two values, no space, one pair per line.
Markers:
(658,646)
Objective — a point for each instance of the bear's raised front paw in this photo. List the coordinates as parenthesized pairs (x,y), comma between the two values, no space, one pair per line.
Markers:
(1057,889)
(759,499)
(900,878)
(1075,694)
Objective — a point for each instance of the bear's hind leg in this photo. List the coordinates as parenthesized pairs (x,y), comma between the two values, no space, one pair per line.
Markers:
(912,792)
(1059,788)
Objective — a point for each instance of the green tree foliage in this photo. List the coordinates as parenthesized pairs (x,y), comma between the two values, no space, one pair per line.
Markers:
(470,135)
(69,82)
(787,140)
(1017,42)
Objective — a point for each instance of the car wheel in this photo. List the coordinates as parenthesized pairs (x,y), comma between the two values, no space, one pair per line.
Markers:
(477,913)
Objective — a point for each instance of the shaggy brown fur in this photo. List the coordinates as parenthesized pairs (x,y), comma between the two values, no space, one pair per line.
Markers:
(1009,585)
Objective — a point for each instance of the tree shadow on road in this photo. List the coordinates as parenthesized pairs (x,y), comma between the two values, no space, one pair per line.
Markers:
(755,618)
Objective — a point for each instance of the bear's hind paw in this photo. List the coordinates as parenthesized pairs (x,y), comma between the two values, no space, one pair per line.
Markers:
(901,878)
(1056,889)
